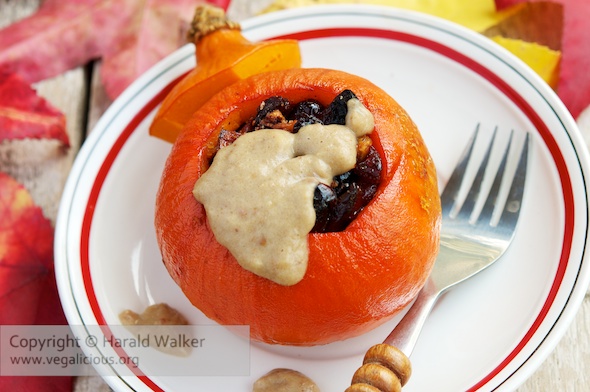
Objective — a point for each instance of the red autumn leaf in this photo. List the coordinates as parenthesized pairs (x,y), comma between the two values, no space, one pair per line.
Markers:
(156,31)
(36,384)
(130,36)
(26,256)
(62,35)
(574,79)
(24,114)
(28,291)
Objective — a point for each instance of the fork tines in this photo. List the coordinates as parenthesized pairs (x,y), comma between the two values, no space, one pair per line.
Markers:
(498,195)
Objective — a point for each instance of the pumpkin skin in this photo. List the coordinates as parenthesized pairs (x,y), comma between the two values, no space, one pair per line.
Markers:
(356,279)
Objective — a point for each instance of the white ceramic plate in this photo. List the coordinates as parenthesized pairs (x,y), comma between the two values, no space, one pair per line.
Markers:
(490,333)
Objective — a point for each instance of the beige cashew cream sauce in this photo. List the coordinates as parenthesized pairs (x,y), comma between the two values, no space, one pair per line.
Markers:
(258,192)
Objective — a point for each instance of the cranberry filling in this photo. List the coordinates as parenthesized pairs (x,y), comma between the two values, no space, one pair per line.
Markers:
(338,203)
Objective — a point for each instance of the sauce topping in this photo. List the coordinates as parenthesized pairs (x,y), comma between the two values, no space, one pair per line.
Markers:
(258,192)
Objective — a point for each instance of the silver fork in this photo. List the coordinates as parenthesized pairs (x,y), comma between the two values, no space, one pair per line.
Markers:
(471,240)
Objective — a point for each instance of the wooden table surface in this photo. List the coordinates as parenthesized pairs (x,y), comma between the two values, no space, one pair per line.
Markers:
(79,95)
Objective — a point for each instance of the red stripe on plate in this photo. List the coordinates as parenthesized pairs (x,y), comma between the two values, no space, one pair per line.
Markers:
(469,63)
(89,214)
(541,127)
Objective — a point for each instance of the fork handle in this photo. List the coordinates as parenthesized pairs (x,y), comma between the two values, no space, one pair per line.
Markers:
(405,335)
(386,366)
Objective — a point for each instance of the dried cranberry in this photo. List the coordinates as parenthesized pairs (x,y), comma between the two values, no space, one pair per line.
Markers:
(323,198)
(346,206)
(307,112)
(368,171)
(337,204)
(335,113)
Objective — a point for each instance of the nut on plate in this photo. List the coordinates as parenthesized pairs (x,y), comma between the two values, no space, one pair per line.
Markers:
(285,380)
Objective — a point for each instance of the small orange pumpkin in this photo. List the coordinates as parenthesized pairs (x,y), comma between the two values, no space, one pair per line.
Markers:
(357,278)
(223,56)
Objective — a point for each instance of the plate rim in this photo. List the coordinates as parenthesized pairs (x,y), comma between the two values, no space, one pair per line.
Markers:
(129,94)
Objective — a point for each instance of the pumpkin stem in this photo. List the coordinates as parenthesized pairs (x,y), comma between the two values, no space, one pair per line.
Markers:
(208,19)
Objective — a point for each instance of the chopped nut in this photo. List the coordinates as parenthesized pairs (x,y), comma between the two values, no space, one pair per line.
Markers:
(159,319)
(362,148)
(157,314)
(284,380)
(276,120)
(228,137)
